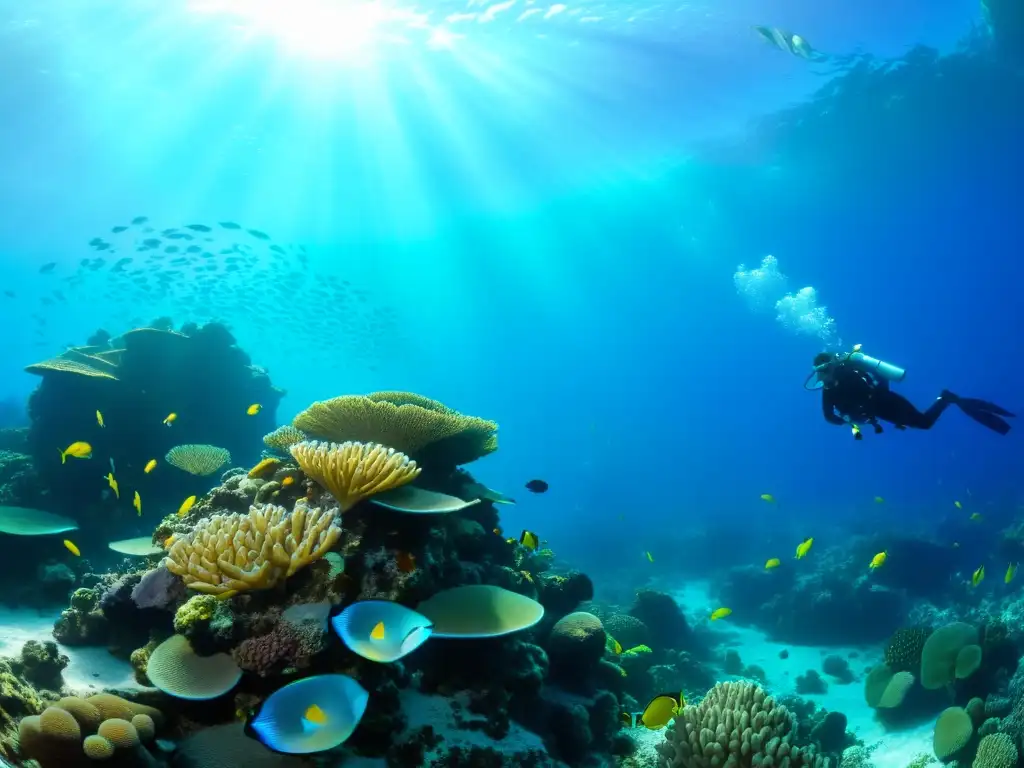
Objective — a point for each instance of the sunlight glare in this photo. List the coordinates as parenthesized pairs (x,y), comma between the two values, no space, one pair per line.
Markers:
(331,29)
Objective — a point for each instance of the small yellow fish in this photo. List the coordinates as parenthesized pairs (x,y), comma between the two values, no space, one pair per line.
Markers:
(72,548)
(958,505)
(113,484)
(1011,571)
(978,576)
(803,548)
(529,539)
(720,613)
(772,562)
(315,715)
(768,497)
(99,419)
(650,557)
(77,450)
(377,633)
(171,418)
(616,646)
(287,481)
(856,432)
(879,500)
(186,505)
(137,503)
(253,409)
(150,466)
(975,516)
(169,540)
(878,560)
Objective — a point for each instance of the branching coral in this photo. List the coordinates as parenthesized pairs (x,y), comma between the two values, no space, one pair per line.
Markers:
(354,471)
(235,553)
(410,423)
(200,460)
(736,724)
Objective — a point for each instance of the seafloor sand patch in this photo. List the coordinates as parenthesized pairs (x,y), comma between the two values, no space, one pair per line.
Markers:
(892,749)
(91,669)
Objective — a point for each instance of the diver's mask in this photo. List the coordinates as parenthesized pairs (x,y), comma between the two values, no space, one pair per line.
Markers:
(822,375)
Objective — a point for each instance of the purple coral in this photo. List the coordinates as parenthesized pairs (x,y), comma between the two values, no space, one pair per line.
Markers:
(159,588)
(266,653)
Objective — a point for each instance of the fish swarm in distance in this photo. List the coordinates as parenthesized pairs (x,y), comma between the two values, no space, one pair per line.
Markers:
(236,553)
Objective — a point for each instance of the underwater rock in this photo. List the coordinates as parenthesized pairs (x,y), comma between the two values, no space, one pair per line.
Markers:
(811,683)
(158,588)
(575,646)
(627,629)
(41,664)
(136,381)
(20,484)
(665,620)
(83,623)
(55,581)
(561,594)
(18,699)
(837,668)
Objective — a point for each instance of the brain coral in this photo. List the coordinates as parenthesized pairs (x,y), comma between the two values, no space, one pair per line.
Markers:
(904,649)
(953,730)
(940,652)
(737,725)
(996,750)
(885,689)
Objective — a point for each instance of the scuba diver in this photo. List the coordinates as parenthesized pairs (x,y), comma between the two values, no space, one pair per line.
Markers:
(855,390)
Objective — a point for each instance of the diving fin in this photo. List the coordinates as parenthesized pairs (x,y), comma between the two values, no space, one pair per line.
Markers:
(986,414)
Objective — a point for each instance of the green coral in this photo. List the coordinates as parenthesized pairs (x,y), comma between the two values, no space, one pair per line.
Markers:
(903,653)
(196,610)
(953,730)
(637,650)
(996,750)
(940,653)
(922,760)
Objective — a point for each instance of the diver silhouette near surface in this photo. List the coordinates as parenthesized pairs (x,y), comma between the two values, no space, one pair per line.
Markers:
(855,390)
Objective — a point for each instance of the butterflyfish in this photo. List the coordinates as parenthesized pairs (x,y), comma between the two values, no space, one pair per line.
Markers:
(150,466)
(112,482)
(380,630)
(72,548)
(137,503)
(878,560)
(720,613)
(99,419)
(1011,571)
(978,576)
(77,450)
(253,409)
(529,539)
(768,497)
(657,714)
(803,548)
(310,715)
(614,645)
(171,418)
(772,562)
(186,505)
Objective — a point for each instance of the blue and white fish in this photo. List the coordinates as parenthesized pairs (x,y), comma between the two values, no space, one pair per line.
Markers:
(381,631)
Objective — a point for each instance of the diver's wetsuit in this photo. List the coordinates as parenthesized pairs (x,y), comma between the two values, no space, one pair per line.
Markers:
(864,398)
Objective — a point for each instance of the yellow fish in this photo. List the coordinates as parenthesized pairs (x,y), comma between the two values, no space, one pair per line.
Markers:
(253,409)
(137,503)
(186,505)
(529,539)
(1011,571)
(857,348)
(773,562)
(315,715)
(958,505)
(113,484)
(78,450)
(150,466)
(803,548)
(879,500)
(377,633)
(720,613)
(658,712)
(616,647)
(287,481)
(856,432)
(978,576)
(650,557)
(975,516)
(99,419)
(768,497)
(878,560)
(72,548)
(171,418)
(168,541)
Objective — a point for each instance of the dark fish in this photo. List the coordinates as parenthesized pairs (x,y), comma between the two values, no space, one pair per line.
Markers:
(9,294)
(194,249)
(95,241)
(48,267)
(537,486)
(229,225)
(151,242)
(171,249)
(139,220)
(198,227)
(277,249)
(258,235)
(119,230)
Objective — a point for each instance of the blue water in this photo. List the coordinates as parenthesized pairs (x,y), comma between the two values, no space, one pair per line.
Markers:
(549,210)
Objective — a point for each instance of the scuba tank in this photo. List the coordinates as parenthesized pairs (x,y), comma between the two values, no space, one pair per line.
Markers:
(886,370)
